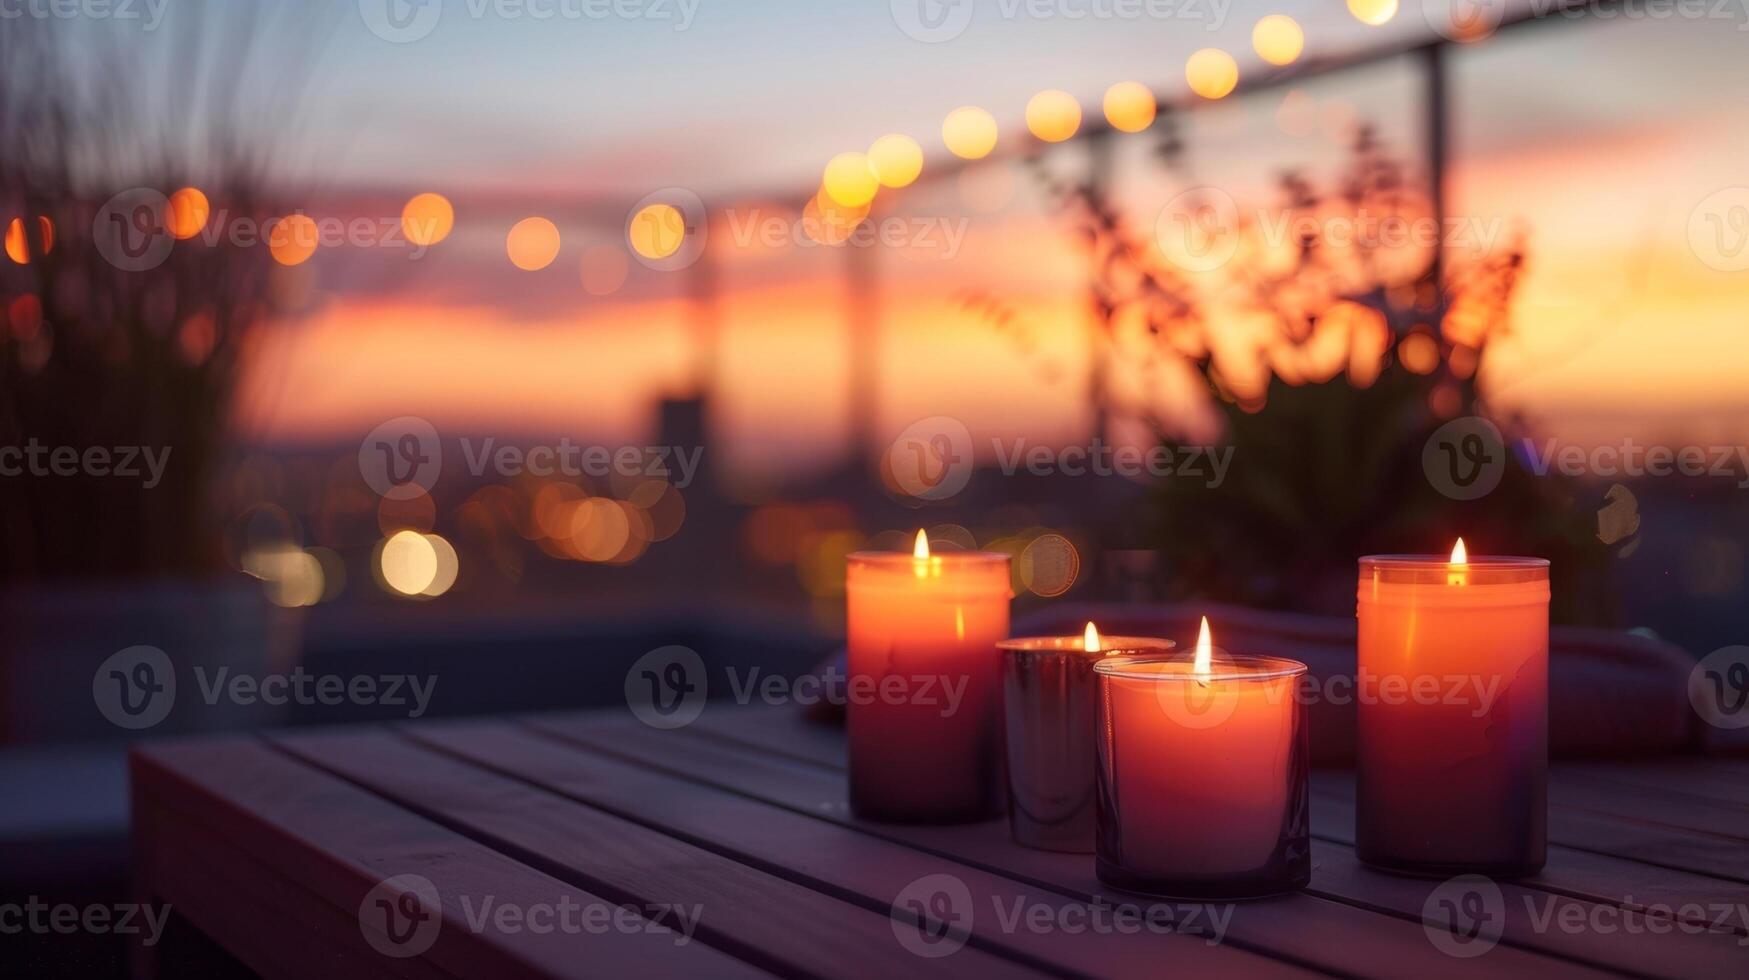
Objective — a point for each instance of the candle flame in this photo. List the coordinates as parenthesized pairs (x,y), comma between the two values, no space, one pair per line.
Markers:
(1460,560)
(1090,639)
(1204,652)
(921,549)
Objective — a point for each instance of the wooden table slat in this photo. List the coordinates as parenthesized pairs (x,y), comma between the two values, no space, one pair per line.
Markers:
(1332,933)
(338,842)
(830,857)
(758,917)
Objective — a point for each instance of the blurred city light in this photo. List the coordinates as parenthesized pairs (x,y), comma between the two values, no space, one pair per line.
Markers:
(896,160)
(969,132)
(1212,73)
(1053,115)
(427,219)
(533,244)
(1130,107)
(1278,39)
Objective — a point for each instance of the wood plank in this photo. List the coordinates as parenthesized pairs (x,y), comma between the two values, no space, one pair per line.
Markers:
(1603,935)
(831,858)
(1573,872)
(1530,917)
(1665,807)
(336,843)
(1655,844)
(230,895)
(1328,931)
(1699,777)
(759,917)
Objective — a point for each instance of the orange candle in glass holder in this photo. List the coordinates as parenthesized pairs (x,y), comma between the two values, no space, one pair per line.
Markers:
(924,694)
(1202,779)
(1452,766)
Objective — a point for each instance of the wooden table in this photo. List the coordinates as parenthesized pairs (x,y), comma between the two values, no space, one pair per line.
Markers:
(276,847)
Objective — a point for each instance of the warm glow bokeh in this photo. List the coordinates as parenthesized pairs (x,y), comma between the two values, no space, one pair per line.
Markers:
(850,180)
(969,132)
(293,239)
(1278,39)
(1130,107)
(19,249)
(1212,73)
(1374,12)
(408,562)
(1053,115)
(533,244)
(427,219)
(656,231)
(189,211)
(896,160)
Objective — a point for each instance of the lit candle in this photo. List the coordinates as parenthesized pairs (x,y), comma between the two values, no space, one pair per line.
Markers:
(1202,774)
(924,689)
(1048,704)
(1452,770)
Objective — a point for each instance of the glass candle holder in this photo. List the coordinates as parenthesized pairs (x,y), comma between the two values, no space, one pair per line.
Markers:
(1202,777)
(1048,704)
(924,691)
(1452,765)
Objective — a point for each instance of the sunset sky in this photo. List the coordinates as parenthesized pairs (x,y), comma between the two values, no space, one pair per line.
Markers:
(1597,140)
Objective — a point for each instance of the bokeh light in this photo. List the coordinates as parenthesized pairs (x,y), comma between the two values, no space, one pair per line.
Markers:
(896,160)
(533,244)
(291,577)
(656,231)
(1278,39)
(1374,12)
(1130,107)
(16,249)
(603,269)
(1212,73)
(1053,115)
(446,567)
(427,219)
(1419,353)
(407,563)
(189,211)
(850,180)
(969,132)
(19,246)
(293,239)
